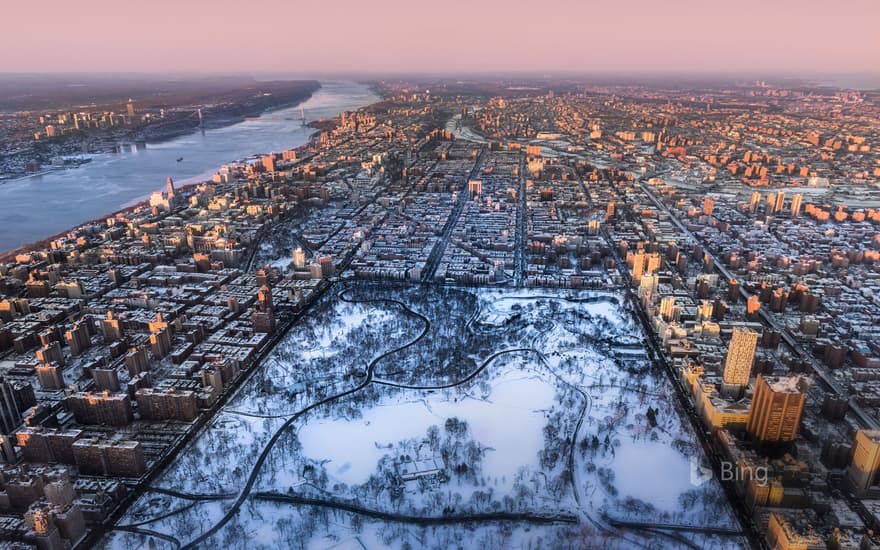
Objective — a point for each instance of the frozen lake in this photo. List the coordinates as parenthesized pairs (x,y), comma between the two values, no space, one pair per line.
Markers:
(651,472)
(509,422)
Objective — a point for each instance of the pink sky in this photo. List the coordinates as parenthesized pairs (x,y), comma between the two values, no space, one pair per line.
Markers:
(792,36)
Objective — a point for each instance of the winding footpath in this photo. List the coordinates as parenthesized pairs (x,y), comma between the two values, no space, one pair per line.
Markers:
(451,519)
(255,471)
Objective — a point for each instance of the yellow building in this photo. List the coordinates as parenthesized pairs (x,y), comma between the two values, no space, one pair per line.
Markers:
(776,409)
(866,461)
(740,355)
(782,535)
(796,204)
(720,413)
(638,265)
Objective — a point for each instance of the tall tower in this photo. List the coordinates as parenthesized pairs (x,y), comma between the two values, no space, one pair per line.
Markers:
(638,265)
(796,204)
(780,202)
(10,411)
(654,263)
(299,258)
(130,107)
(754,201)
(263,316)
(776,408)
(708,206)
(866,461)
(169,187)
(740,355)
(667,308)
(264,299)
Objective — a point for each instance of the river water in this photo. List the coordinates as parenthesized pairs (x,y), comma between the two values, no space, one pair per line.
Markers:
(34,208)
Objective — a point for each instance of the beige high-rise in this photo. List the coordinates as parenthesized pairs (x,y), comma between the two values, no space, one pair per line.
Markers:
(740,355)
(866,460)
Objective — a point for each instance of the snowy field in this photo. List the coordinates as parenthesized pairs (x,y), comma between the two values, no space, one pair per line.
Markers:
(508,422)
(387,407)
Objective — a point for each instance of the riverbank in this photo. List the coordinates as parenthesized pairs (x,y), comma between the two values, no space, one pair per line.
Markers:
(183,190)
(213,118)
(56,202)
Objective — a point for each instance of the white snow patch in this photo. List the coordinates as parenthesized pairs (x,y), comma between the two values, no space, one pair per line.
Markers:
(510,422)
(651,472)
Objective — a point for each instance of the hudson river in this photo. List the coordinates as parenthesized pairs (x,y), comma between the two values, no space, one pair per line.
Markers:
(34,208)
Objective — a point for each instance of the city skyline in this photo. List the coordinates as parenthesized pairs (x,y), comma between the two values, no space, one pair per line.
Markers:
(394,36)
(476,275)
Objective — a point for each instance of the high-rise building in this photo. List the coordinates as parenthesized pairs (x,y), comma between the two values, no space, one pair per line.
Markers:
(50,376)
(708,206)
(212,378)
(78,338)
(158,324)
(638,265)
(654,263)
(112,328)
(51,353)
(796,201)
(704,310)
(753,305)
(648,285)
(10,415)
(327,267)
(776,408)
(136,361)
(47,445)
(40,518)
(96,456)
(169,188)
(783,535)
(106,379)
(167,404)
(263,317)
(23,489)
(15,398)
(113,409)
(740,355)
(780,202)
(130,108)
(866,461)
(733,291)
(299,258)
(59,490)
(160,343)
(754,201)
(667,308)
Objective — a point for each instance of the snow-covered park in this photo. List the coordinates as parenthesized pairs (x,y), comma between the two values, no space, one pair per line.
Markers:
(433,417)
